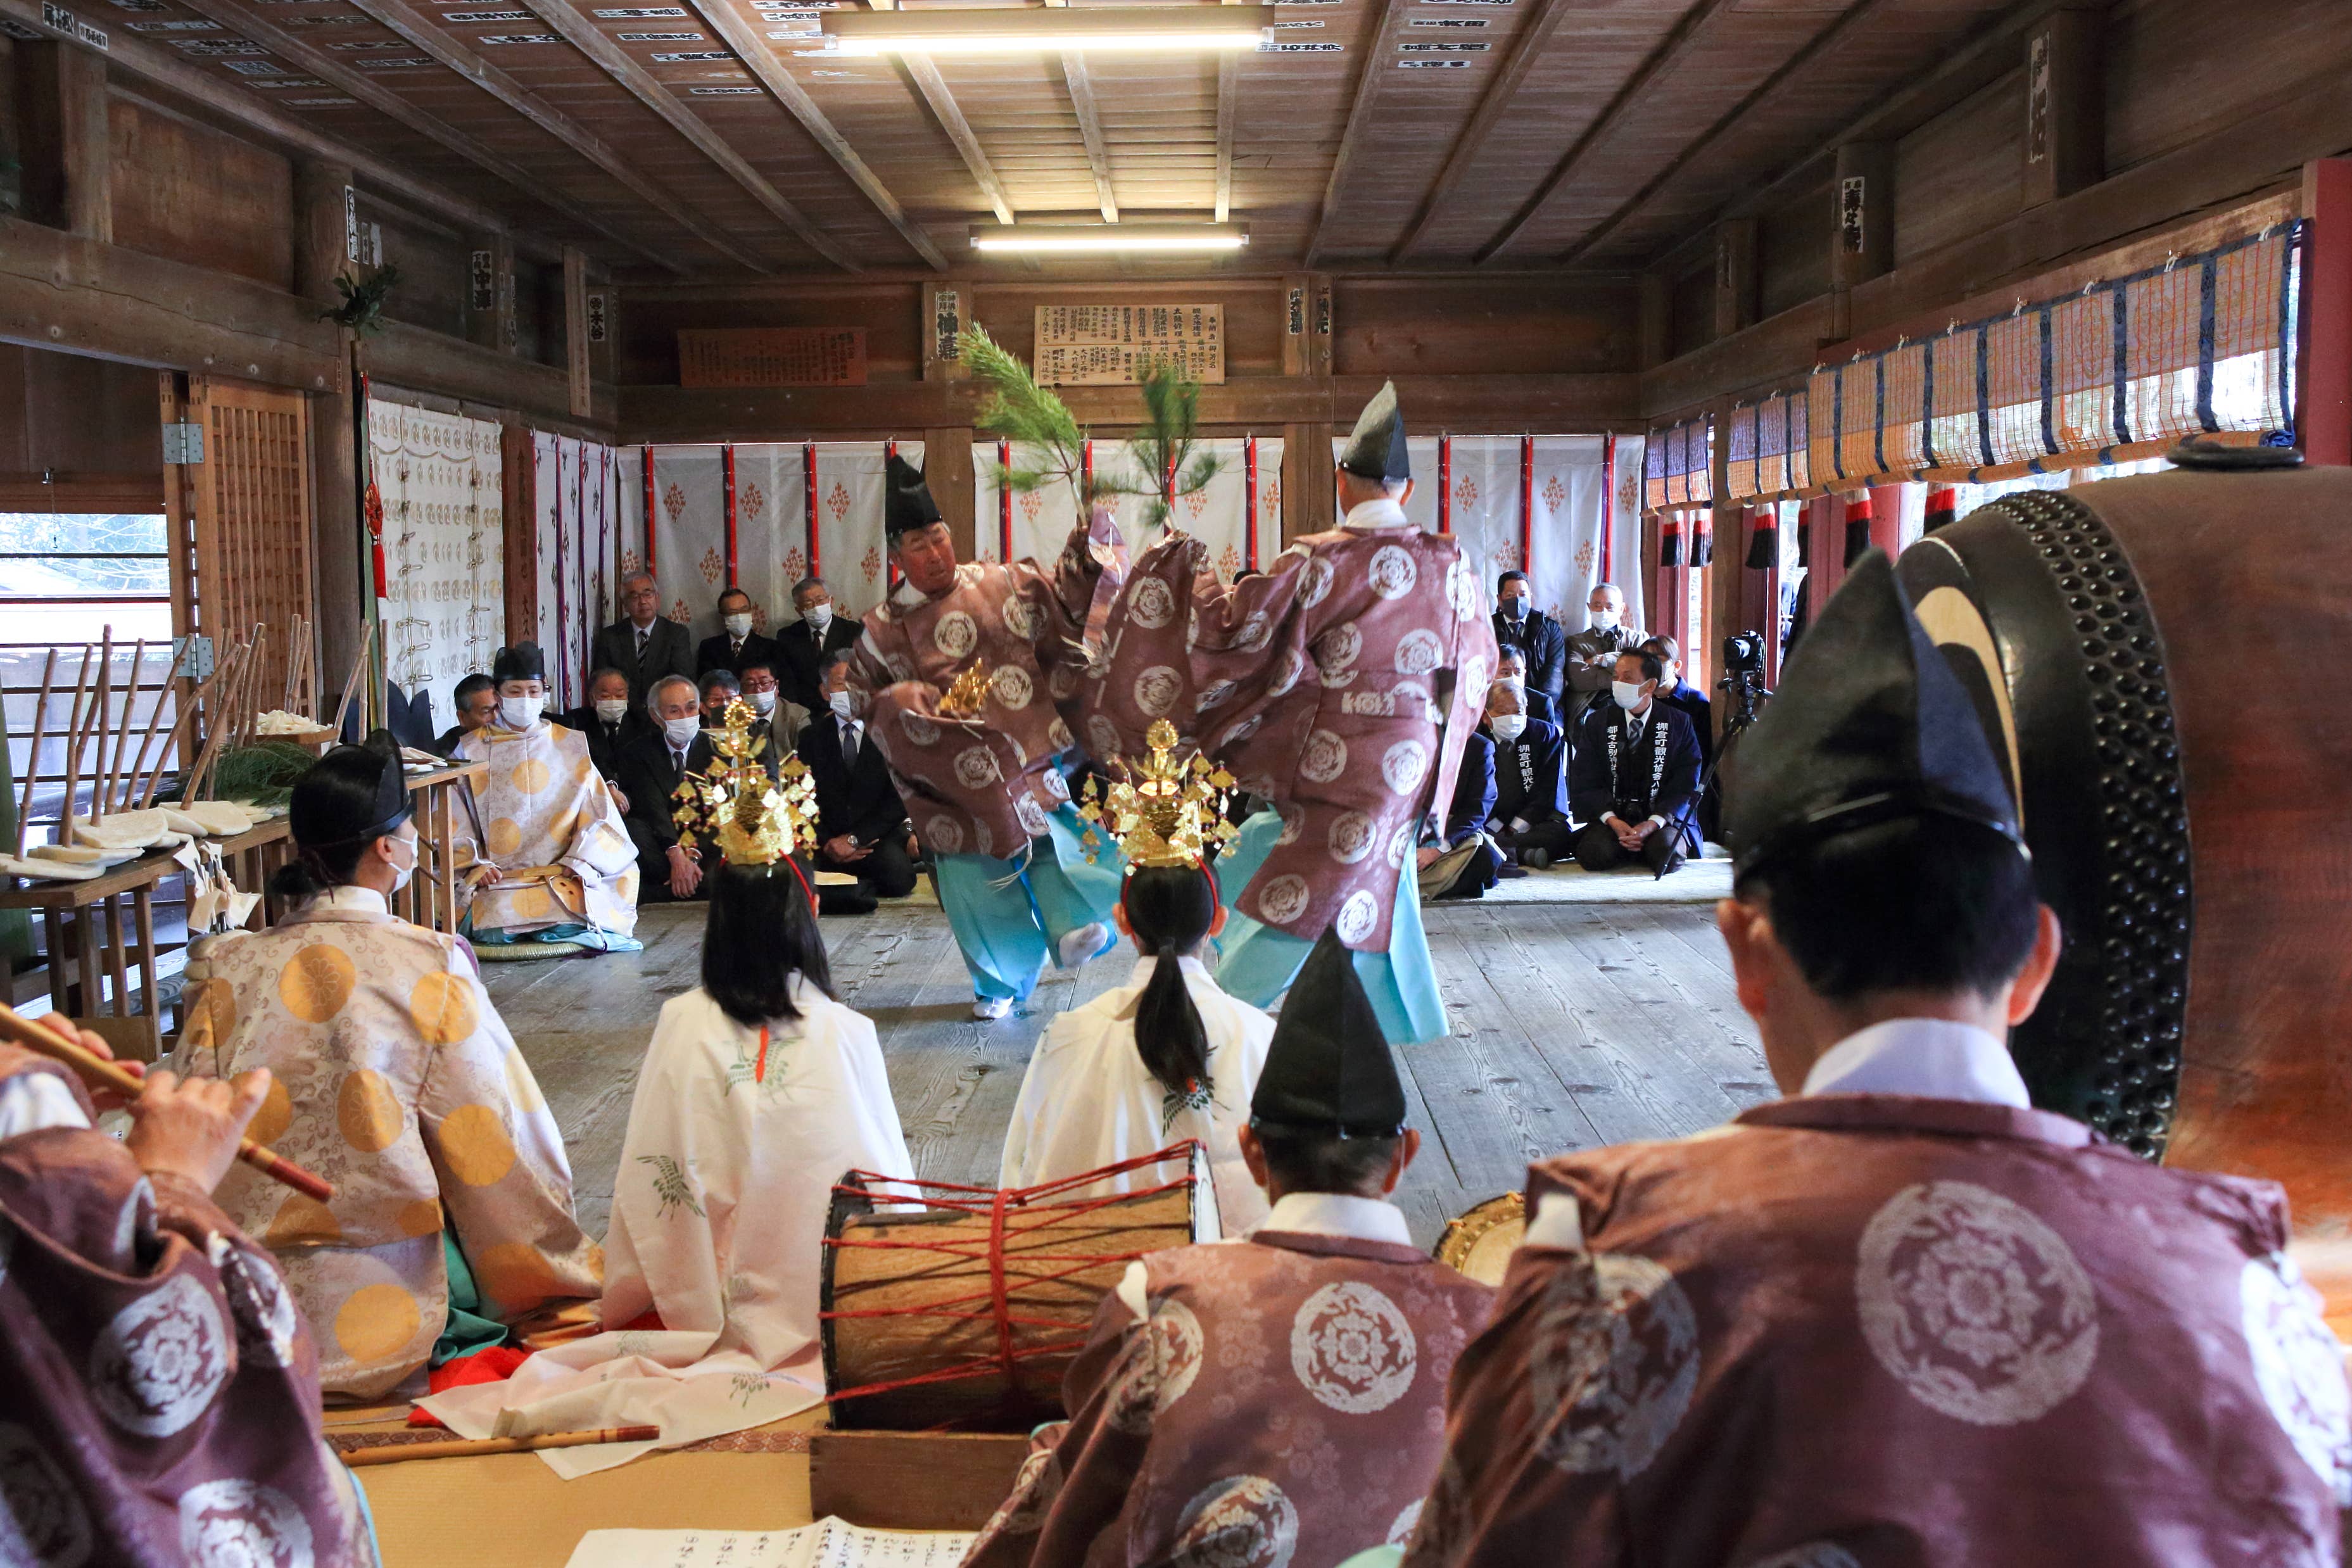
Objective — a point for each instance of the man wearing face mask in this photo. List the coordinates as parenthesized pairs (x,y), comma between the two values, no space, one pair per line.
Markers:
(805,645)
(782,720)
(1540,640)
(545,850)
(652,767)
(1635,770)
(1511,665)
(737,646)
(1592,652)
(476,698)
(643,645)
(1529,816)
(610,720)
(861,822)
(1674,691)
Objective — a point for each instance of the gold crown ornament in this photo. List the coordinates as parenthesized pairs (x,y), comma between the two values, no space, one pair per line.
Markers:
(1161,812)
(965,697)
(754,820)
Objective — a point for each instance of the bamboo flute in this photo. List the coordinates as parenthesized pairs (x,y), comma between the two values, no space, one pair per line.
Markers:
(100,1073)
(462,1448)
(33,757)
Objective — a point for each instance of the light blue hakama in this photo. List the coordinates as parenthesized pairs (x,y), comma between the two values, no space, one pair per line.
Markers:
(1008,917)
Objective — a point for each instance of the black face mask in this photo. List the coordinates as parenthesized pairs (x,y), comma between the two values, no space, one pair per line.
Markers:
(1517,609)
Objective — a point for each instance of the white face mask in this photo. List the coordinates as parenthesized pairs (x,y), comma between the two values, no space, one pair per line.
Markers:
(1604,620)
(839,703)
(399,873)
(818,617)
(519,712)
(1627,693)
(612,710)
(738,625)
(1508,726)
(680,732)
(765,702)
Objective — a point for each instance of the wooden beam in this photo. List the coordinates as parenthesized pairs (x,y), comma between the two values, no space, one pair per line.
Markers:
(1789,70)
(1082,103)
(1534,35)
(1736,278)
(205,87)
(576,333)
(2065,107)
(416,29)
(1679,38)
(933,88)
(744,39)
(65,153)
(1229,77)
(321,190)
(1360,113)
(647,89)
(1655,328)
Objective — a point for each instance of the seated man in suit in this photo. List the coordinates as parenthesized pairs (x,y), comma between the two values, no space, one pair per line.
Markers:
(738,645)
(1676,692)
(782,720)
(1463,862)
(652,766)
(714,690)
(802,646)
(861,822)
(610,720)
(1510,664)
(477,699)
(1634,770)
(1529,816)
(1540,641)
(643,645)
(1593,654)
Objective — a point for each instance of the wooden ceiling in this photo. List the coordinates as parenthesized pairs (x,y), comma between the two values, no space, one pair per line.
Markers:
(707,138)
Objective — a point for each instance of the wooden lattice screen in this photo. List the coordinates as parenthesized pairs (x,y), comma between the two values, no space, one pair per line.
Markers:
(252,518)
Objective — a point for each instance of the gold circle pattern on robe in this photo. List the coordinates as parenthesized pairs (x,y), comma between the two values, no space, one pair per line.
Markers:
(376,1321)
(475,1145)
(441,1005)
(368,1113)
(315,981)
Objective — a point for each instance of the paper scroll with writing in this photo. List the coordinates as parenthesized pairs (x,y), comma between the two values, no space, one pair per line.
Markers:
(1111,345)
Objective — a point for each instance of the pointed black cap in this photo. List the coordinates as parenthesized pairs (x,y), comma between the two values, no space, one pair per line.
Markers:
(1328,1070)
(521,662)
(352,793)
(1375,448)
(1869,725)
(906,501)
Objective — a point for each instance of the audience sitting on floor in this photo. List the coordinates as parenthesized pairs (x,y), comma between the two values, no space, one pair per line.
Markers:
(1675,692)
(1633,773)
(609,720)
(1539,640)
(1276,1398)
(1510,664)
(804,645)
(782,720)
(1528,820)
(476,700)
(644,644)
(862,827)
(392,1072)
(737,645)
(1460,861)
(1166,1056)
(1593,654)
(160,1386)
(653,765)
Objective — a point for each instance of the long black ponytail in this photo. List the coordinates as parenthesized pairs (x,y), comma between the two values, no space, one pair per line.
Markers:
(1169,908)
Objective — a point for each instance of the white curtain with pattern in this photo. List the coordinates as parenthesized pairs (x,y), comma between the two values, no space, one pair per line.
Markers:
(443,533)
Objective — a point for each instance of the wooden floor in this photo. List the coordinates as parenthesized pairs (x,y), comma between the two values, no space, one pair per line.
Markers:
(1573,1025)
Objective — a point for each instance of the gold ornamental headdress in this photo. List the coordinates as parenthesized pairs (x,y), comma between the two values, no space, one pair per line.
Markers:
(1161,812)
(754,820)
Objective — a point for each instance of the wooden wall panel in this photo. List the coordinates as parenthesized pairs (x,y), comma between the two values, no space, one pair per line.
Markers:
(1793,251)
(84,418)
(1561,324)
(199,195)
(434,271)
(1957,175)
(889,312)
(2180,70)
(1690,310)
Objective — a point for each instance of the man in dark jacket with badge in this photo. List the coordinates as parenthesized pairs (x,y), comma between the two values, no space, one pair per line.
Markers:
(1539,638)
(1635,768)
(1528,817)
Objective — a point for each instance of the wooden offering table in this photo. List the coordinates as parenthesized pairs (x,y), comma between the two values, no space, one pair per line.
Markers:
(90,968)
(430,900)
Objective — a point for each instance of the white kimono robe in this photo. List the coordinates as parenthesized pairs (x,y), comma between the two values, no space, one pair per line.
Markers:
(1088,1102)
(552,829)
(718,1215)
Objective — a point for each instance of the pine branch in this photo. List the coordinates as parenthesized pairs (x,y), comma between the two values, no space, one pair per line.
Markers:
(1021,411)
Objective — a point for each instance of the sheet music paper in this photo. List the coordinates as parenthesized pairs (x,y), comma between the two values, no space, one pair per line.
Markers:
(828,1543)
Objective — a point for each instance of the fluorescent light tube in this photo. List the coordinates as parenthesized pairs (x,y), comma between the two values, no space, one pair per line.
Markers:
(1043,238)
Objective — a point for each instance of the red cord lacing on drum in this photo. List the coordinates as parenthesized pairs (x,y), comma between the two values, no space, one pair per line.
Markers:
(1013,1212)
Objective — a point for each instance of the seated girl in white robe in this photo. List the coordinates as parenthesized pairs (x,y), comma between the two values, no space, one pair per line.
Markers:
(757,1092)
(1167,1056)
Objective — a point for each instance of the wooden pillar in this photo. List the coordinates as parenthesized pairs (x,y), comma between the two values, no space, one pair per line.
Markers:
(2065,106)
(1727,585)
(575,328)
(2326,402)
(519,490)
(61,99)
(1735,277)
(491,294)
(321,191)
(1308,500)
(946,469)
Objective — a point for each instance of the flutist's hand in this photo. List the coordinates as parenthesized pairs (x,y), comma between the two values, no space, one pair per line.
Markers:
(190,1129)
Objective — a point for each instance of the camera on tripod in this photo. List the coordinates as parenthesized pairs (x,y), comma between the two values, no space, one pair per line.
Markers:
(1743,654)
(1743,679)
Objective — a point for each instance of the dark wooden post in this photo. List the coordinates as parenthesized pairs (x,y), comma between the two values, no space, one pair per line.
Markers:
(2326,403)
(1735,277)
(61,92)
(2065,107)
(575,328)
(491,294)
(322,195)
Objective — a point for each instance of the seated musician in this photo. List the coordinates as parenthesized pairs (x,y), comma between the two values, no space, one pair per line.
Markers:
(1166,1056)
(1273,1398)
(758,1090)
(159,1401)
(1632,775)
(1529,817)
(545,852)
(394,1078)
(1900,1316)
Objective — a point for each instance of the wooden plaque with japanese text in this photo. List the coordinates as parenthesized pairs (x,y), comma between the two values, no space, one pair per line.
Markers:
(1111,345)
(771,356)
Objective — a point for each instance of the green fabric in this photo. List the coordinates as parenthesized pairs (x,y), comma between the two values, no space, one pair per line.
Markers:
(465,1330)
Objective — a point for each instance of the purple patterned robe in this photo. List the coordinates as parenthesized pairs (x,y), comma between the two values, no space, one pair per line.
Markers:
(158,1393)
(1284,1403)
(984,785)
(1883,1330)
(1340,685)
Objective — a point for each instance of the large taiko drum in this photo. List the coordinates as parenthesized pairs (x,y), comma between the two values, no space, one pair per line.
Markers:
(1479,1241)
(2166,664)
